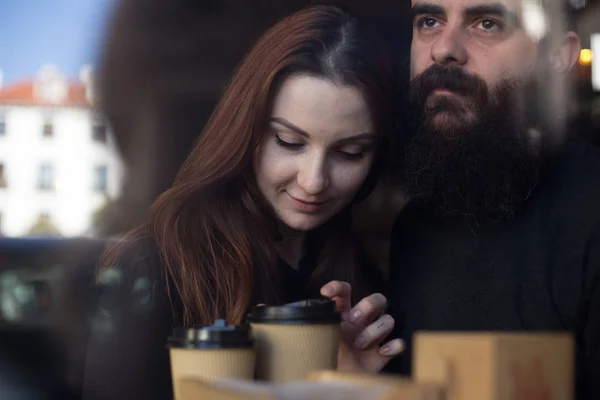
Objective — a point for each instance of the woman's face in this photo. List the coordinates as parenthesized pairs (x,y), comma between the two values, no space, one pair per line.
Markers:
(317,152)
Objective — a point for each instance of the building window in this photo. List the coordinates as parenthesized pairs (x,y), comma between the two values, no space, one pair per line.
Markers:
(2,178)
(48,129)
(101,178)
(99,132)
(46,177)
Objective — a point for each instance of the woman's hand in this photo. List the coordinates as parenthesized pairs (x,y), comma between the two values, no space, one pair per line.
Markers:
(363,328)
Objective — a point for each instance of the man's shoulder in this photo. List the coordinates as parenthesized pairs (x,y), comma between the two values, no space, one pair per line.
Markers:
(576,180)
(580,164)
(410,220)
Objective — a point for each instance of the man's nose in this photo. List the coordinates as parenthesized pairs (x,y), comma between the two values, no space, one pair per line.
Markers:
(313,176)
(449,47)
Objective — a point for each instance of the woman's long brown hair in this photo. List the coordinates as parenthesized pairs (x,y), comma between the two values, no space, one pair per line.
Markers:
(213,230)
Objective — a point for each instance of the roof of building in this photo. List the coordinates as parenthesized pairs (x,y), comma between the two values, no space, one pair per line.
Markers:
(25,94)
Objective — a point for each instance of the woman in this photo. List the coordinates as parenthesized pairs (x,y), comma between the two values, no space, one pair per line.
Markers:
(260,210)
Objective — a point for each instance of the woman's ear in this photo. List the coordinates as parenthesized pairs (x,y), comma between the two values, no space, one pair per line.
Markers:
(566,54)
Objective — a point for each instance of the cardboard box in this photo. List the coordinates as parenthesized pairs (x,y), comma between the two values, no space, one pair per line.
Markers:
(396,387)
(197,389)
(490,366)
(320,387)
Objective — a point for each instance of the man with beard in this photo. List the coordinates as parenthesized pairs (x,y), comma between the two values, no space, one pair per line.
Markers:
(502,230)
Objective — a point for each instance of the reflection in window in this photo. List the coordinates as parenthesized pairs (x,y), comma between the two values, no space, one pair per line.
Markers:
(26,295)
(15,297)
(2,178)
(44,226)
(48,130)
(99,132)
(595,50)
(45,218)
(46,177)
(100,178)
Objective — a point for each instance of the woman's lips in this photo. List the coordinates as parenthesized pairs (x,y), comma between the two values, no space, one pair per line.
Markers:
(306,206)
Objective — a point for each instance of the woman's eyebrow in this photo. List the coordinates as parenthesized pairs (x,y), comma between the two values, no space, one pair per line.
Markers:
(289,125)
(360,137)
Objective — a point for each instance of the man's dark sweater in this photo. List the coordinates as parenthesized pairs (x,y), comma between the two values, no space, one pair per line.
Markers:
(539,271)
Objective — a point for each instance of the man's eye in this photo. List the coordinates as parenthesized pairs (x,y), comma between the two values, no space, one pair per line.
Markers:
(427,22)
(489,25)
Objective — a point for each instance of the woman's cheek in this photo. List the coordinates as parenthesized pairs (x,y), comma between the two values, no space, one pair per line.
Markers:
(349,177)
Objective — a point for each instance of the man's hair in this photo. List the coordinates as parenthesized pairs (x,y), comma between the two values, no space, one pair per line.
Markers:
(568,12)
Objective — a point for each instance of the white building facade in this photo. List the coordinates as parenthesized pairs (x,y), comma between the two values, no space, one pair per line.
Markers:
(59,163)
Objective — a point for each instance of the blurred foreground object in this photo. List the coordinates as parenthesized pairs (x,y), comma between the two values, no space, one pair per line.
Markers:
(320,385)
(457,366)
(497,366)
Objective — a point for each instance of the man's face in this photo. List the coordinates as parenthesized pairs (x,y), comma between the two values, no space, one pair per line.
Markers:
(485,39)
(477,129)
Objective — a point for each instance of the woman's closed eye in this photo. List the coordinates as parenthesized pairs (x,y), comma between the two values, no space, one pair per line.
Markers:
(287,143)
(349,152)
(352,152)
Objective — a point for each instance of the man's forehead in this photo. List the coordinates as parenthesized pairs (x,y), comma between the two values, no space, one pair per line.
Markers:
(462,5)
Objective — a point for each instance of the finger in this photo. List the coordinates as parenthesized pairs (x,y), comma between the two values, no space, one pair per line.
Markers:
(375,333)
(376,360)
(336,289)
(340,292)
(392,348)
(368,309)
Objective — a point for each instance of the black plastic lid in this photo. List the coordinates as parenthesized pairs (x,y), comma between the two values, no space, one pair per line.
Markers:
(315,311)
(217,336)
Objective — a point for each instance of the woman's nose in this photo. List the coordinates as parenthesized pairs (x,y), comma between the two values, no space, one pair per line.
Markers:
(313,176)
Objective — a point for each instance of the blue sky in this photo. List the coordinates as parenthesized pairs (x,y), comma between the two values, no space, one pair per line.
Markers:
(66,33)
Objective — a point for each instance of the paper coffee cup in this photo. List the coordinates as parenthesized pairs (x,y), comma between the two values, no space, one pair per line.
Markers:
(294,339)
(211,352)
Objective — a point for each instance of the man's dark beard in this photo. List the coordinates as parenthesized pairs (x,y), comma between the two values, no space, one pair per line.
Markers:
(470,156)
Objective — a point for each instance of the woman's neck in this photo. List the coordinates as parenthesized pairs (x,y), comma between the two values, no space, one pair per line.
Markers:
(291,246)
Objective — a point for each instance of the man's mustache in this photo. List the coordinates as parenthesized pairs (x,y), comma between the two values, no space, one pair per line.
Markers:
(452,78)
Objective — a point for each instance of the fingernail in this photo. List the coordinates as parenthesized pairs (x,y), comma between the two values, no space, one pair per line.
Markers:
(360,342)
(355,316)
(327,291)
(385,350)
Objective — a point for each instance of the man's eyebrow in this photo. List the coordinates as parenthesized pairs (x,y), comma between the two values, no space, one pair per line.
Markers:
(497,9)
(427,8)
